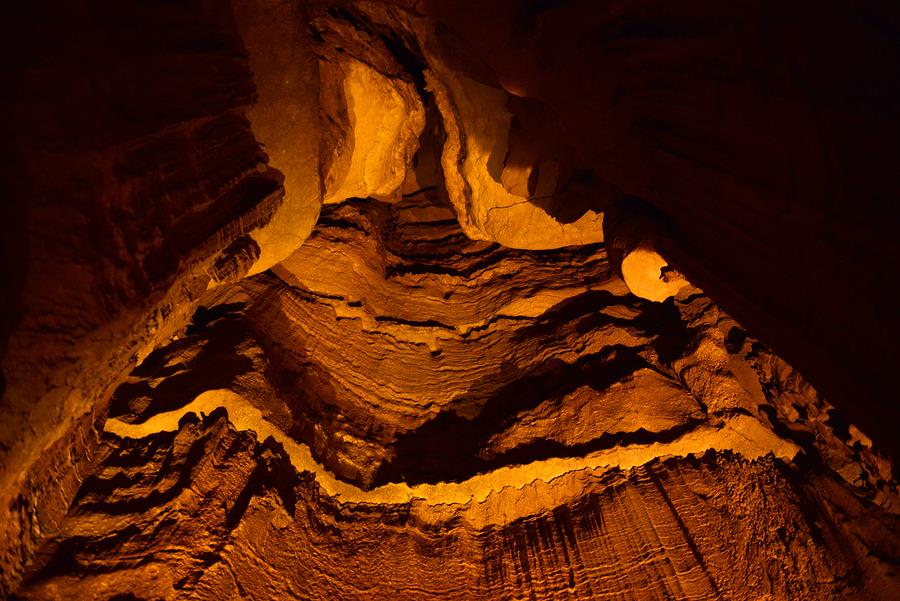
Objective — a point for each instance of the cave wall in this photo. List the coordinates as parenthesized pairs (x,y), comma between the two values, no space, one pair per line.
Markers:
(545,435)
(767,135)
(156,154)
(132,176)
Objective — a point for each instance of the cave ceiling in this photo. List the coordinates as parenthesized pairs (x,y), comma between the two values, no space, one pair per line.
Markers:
(449,300)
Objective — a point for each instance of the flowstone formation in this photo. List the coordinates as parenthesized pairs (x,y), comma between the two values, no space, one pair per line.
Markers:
(405,300)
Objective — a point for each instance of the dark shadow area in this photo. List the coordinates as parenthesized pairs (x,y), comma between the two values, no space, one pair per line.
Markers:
(448,448)
(217,332)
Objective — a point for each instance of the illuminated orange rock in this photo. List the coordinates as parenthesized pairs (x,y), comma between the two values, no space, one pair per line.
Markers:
(491,205)
(399,408)
(285,121)
(388,300)
(385,121)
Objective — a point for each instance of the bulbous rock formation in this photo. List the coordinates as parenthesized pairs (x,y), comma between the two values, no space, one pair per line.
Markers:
(403,300)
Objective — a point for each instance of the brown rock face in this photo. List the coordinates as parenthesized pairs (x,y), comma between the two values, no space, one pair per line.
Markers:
(519,425)
(388,300)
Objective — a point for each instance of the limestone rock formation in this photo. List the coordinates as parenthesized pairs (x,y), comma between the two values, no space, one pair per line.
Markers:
(361,299)
(284,120)
(518,425)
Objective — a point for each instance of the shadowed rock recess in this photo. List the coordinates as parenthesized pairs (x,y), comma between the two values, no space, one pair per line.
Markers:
(449,300)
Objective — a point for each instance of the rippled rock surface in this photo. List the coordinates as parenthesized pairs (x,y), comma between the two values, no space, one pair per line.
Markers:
(369,299)
(399,411)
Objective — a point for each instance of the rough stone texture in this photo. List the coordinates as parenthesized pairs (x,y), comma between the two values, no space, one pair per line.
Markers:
(769,147)
(258,530)
(543,433)
(447,390)
(373,114)
(124,200)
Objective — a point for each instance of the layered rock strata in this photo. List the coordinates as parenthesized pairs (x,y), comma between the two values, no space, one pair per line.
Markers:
(520,425)
(434,393)
(120,210)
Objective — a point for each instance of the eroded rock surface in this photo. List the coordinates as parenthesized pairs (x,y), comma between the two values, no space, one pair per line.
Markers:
(379,300)
(519,425)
